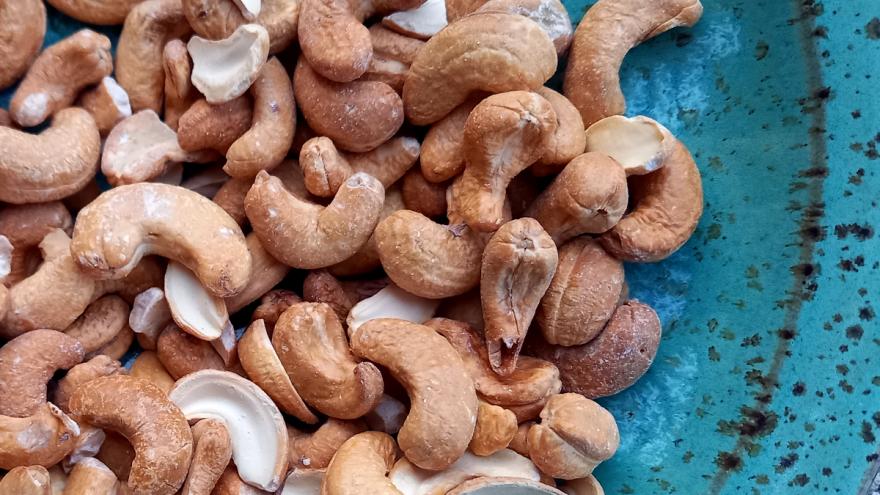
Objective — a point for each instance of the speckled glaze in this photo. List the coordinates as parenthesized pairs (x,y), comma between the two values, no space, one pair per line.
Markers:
(767,375)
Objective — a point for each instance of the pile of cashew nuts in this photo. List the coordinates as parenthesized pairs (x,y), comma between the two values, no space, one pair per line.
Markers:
(341,247)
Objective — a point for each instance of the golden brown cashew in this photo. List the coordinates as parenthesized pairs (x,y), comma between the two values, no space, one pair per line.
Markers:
(494,431)
(273,305)
(614,360)
(100,324)
(443,413)
(520,53)
(266,272)
(147,366)
(179,92)
(306,235)
(588,197)
(139,55)
(262,365)
(22,27)
(82,373)
(44,438)
(212,451)
(569,140)
(321,287)
(574,436)
(584,293)
(27,363)
(51,165)
(443,149)
(592,80)
(668,205)
(366,259)
(59,74)
(373,110)
(518,265)
(270,136)
(107,103)
(419,195)
(361,466)
(26,480)
(90,477)
(118,347)
(503,135)
(315,450)
(183,354)
(549,14)
(311,345)
(207,126)
(142,413)
(25,226)
(115,231)
(101,12)
(231,196)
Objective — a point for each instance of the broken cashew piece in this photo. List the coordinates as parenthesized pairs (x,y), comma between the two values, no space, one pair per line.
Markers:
(315,450)
(183,354)
(361,466)
(150,314)
(443,408)
(194,309)
(217,20)
(90,476)
(43,438)
(640,144)
(551,15)
(391,302)
(124,224)
(224,70)
(422,22)
(179,92)
(311,345)
(155,427)
(518,265)
(592,80)
(259,444)
(100,324)
(494,431)
(411,480)
(26,480)
(23,30)
(522,54)
(273,305)
(212,450)
(108,103)
(303,482)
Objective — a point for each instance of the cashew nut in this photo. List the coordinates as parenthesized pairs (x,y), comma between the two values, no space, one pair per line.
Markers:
(588,197)
(303,482)
(149,315)
(518,265)
(231,484)
(361,466)
(311,345)
(52,165)
(520,53)
(640,144)
(574,436)
(366,259)
(218,19)
(592,80)
(503,135)
(194,309)
(391,302)
(90,476)
(116,348)
(443,408)
(147,366)
(25,226)
(520,441)
(443,149)
(124,224)
(424,197)
(183,354)
(322,287)
(411,480)
(117,454)
(583,295)
(26,480)
(100,324)
(494,430)
(334,40)
(273,305)
(23,28)
(393,54)
(266,272)
(101,12)
(212,450)
(569,140)
(668,205)
(551,15)
(179,93)
(107,103)
(155,427)
(224,70)
(207,126)
(421,22)
(83,373)
(43,438)
(231,196)
(305,235)
(315,450)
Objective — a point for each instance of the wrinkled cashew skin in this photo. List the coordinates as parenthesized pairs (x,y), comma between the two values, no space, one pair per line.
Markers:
(124,224)
(668,206)
(592,80)
(348,55)
(518,265)
(443,410)
(360,466)
(154,426)
(484,52)
(23,23)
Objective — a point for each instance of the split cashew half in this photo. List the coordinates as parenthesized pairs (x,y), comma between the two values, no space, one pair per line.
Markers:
(640,144)
(224,70)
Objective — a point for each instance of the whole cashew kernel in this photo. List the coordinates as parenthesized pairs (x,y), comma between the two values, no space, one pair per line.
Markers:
(668,205)
(519,52)
(51,165)
(43,438)
(26,480)
(58,74)
(503,135)
(25,226)
(569,140)
(315,450)
(23,28)
(592,80)
(574,436)
(361,466)
(82,373)
(100,324)
(518,265)
(443,149)
(443,409)
(90,476)
(494,431)
(311,345)
(142,413)
(588,197)
(212,450)
(107,103)
(100,12)
(124,224)
(306,235)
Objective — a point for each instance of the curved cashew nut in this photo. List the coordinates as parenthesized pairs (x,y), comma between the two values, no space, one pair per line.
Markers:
(494,431)
(59,74)
(153,425)
(52,165)
(124,224)
(43,438)
(588,197)
(27,363)
(100,12)
(428,259)
(270,136)
(334,40)
(361,465)
(584,293)
(366,259)
(26,480)
(311,345)
(315,450)
(518,265)
(549,14)
(100,324)
(23,26)
(88,476)
(668,206)
(592,80)
(520,52)
(25,226)
(212,450)
(614,360)
(391,302)
(305,235)
(569,140)
(443,409)
(575,435)
(82,373)
(503,135)
(373,110)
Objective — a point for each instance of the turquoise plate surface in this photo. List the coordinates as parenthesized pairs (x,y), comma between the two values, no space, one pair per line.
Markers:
(767,380)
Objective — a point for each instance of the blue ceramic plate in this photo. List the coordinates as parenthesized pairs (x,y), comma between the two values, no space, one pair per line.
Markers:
(767,380)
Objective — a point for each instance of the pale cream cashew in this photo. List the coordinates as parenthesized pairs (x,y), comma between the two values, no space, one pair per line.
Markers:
(411,480)
(194,309)
(551,15)
(502,486)
(640,144)
(422,22)
(391,302)
(224,70)
(149,313)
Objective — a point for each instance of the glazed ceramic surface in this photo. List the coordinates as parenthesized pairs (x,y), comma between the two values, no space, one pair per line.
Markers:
(768,377)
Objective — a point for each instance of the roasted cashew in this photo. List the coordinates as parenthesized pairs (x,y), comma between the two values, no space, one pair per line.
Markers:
(22,27)
(361,466)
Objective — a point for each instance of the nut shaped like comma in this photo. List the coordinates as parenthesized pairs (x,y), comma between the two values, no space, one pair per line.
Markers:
(333,40)
(25,226)
(667,207)
(124,224)
(583,295)
(483,52)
